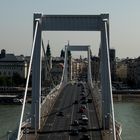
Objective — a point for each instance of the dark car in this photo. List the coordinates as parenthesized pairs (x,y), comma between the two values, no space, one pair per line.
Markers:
(74,132)
(85,137)
(83,97)
(84,102)
(82,94)
(83,129)
(81,110)
(76,102)
(75,123)
(83,106)
(60,113)
(89,100)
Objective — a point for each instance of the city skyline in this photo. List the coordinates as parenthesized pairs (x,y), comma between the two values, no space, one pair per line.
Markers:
(17,18)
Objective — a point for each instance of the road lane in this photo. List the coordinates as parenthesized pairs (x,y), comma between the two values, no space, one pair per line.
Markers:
(65,103)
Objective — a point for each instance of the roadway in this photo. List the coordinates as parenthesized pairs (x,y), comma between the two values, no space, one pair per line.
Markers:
(58,127)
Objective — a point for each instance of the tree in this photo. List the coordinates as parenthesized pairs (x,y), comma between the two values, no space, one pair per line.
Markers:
(69,53)
(62,53)
(3,81)
(48,51)
(18,80)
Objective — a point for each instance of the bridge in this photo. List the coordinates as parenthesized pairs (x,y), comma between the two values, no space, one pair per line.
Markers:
(72,109)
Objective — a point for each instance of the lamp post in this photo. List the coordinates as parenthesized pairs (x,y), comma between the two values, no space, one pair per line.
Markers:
(8,134)
(35,118)
(26,130)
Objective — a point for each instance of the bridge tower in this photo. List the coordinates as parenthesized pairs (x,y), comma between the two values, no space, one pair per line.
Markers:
(36,75)
(77,48)
(73,23)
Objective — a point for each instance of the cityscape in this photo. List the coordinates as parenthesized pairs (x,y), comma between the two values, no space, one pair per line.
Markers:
(69,70)
(124,72)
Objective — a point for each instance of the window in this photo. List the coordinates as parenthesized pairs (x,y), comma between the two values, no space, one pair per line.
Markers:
(9,73)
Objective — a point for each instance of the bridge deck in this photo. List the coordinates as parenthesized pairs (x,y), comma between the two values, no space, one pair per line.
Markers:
(58,127)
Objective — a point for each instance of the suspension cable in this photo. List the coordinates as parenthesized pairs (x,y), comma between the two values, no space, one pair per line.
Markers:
(27,81)
(47,64)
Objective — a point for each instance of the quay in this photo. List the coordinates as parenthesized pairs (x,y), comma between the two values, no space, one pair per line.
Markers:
(13,90)
(10,99)
(126,95)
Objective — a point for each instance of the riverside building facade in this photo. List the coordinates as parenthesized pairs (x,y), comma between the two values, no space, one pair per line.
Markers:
(11,64)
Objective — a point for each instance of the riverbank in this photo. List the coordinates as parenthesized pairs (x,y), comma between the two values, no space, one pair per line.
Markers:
(126,97)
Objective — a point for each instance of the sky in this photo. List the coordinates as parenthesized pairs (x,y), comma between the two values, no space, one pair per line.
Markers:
(16,29)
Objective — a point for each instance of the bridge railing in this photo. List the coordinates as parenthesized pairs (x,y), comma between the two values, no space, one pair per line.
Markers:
(98,106)
(48,103)
(97,97)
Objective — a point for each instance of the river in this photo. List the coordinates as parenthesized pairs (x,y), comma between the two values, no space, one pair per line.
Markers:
(9,118)
(127,113)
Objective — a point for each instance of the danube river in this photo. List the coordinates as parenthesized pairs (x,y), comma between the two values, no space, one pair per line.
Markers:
(128,113)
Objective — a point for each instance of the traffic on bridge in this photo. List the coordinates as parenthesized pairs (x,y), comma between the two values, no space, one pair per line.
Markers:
(73,116)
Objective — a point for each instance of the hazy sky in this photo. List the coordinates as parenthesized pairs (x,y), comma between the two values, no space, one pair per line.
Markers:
(17,17)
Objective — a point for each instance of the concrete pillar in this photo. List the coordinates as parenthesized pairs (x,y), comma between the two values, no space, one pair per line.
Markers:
(36,77)
(105,78)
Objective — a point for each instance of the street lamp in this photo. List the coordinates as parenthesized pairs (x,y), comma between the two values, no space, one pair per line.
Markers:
(26,130)
(8,134)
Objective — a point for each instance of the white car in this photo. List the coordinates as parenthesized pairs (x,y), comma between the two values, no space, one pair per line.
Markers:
(84,118)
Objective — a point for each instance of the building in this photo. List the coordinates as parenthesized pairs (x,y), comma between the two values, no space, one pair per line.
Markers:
(128,72)
(57,69)
(112,54)
(95,66)
(11,64)
(133,72)
(79,69)
(121,71)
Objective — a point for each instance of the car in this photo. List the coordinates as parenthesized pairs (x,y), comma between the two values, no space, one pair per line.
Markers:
(84,102)
(83,129)
(74,132)
(75,123)
(85,137)
(84,118)
(83,97)
(60,113)
(83,106)
(89,100)
(82,94)
(83,123)
(76,102)
(81,110)
(78,84)
(82,89)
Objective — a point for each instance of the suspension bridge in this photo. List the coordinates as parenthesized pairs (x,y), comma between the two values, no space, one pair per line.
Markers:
(72,109)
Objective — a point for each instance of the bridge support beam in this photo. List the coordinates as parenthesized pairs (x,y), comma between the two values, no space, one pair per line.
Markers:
(105,77)
(36,77)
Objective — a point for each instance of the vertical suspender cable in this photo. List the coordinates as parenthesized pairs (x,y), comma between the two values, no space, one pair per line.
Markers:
(111,98)
(27,81)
